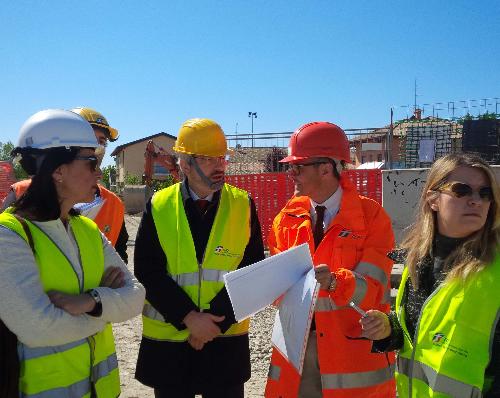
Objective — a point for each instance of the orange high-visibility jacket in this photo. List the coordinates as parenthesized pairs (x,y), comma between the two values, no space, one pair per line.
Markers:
(20,187)
(354,247)
(109,219)
(110,216)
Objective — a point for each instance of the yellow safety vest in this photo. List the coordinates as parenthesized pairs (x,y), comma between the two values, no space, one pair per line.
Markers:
(451,348)
(80,367)
(225,248)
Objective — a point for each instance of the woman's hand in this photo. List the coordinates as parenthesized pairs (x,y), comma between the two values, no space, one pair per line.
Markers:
(113,278)
(375,325)
(74,304)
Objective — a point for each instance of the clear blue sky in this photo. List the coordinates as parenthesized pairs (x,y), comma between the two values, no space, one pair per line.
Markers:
(150,65)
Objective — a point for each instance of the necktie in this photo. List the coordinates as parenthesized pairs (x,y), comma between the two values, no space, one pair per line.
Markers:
(318,227)
(202,205)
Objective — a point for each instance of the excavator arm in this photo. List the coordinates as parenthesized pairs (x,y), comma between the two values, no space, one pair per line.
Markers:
(155,154)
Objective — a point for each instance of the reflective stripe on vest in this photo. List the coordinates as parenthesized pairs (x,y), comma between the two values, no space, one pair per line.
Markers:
(357,379)
(437,382)
(447,355)
(371,270)
(360,288)
(326,304)
(68,369)
(78,389)
(193,278)
(224,251)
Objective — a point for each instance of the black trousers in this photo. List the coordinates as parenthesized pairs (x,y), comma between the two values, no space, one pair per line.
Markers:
(234,391)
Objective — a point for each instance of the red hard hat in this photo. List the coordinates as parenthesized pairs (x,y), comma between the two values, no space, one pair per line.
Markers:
(318,140)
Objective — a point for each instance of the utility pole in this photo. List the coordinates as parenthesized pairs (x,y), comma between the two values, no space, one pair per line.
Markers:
(252,115)
(388,142)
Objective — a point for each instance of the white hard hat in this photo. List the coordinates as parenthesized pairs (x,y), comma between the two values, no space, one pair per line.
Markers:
(53,128)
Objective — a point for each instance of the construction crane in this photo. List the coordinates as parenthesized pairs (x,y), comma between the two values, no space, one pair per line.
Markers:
(155,154)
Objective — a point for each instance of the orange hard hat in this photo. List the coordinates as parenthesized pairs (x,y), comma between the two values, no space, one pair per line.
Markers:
(318,140)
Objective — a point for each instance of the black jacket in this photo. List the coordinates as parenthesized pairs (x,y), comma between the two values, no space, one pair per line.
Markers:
(225,360)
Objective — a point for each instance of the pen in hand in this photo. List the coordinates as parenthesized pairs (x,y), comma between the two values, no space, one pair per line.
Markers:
(357,309)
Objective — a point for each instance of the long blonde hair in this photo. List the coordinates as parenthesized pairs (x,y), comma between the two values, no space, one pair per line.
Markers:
(479,248)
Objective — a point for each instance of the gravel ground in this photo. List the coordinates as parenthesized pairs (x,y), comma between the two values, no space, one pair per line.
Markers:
(128,337)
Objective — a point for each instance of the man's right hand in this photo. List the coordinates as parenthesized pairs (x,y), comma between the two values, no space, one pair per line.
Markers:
(202,325)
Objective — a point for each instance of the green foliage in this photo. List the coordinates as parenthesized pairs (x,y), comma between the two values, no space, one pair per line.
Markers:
(131,179)
(5,150)
(158,185)
(108,175)
(484,116)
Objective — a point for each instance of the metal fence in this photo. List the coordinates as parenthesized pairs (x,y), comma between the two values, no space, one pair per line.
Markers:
(7,178)
(271,191)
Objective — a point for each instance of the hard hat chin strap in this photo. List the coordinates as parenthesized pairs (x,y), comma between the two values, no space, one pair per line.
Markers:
(215,186)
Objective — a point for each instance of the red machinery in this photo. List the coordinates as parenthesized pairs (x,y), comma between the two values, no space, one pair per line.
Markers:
(155,154)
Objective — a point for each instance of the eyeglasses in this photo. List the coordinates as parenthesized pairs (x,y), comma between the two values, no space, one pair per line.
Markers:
(460,189)
(211,160)
(296,168)
(93,161)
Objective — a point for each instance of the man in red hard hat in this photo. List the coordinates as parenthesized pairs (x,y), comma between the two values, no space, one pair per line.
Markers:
(348,236)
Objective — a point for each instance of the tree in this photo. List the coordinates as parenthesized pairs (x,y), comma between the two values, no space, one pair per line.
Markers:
(5,150)
(108,175)
(131,179)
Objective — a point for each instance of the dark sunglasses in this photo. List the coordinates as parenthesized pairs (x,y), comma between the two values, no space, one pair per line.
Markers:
(296,168)
(93,161)
(460,189)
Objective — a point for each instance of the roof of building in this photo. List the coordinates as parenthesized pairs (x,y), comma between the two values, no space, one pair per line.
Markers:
(400,128)
(120,148)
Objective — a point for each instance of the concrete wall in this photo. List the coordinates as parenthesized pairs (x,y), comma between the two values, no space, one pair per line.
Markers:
(401,191)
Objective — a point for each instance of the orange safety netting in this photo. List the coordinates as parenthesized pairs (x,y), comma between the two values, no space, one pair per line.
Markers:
(270,191)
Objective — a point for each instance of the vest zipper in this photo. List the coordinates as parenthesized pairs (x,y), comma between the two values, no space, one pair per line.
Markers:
(415,338)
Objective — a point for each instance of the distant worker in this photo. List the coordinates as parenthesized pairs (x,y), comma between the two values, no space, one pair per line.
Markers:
(107,210)
(349,237)
(191,234)
(61,283)
(446,326)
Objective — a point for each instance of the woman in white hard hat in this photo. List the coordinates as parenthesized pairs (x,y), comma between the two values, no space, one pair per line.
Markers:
(61,282)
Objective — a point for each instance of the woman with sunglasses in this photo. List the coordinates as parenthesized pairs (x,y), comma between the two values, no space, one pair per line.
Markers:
(61,283)
(446,324)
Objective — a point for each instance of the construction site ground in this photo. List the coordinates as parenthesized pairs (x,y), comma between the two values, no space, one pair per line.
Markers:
(128,337)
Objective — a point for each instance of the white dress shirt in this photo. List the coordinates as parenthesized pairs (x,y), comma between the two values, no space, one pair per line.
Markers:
(332,205)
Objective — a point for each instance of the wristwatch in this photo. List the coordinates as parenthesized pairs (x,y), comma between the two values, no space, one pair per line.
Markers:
(333,283)
(95,295)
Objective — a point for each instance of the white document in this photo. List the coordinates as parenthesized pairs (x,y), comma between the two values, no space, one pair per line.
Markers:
(427,150)
(293,320)
(253,288)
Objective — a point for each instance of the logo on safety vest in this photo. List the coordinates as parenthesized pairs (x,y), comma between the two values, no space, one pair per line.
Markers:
(222,251)
(439,338)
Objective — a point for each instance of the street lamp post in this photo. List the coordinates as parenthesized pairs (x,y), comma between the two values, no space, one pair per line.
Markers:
(252,115)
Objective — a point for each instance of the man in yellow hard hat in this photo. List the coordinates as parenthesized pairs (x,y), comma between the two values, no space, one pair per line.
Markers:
(191,234)
(107,210)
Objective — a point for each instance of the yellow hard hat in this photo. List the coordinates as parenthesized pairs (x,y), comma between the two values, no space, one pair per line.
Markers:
(97,119)
(201,137)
